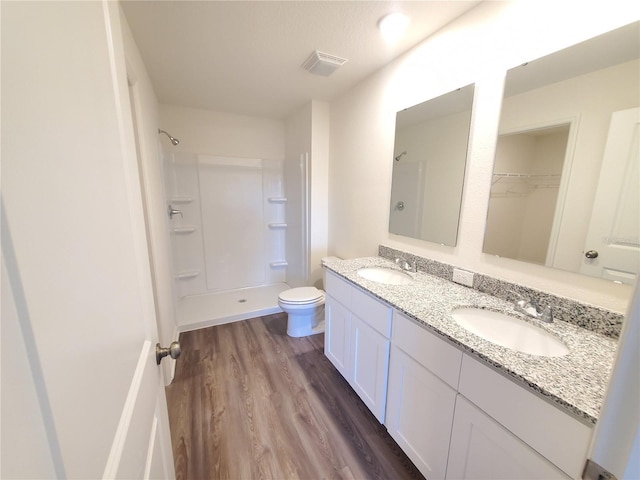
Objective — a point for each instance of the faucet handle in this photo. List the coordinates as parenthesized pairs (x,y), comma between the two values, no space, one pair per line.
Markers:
(547,314)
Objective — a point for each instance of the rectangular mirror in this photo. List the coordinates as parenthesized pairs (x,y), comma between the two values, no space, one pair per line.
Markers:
(565,182)
(430,153)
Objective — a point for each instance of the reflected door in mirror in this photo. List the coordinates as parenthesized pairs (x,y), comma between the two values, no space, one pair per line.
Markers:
(612,249)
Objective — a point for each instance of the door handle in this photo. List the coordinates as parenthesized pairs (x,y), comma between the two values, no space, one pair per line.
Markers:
(591,254)
(400,205)
(173,350)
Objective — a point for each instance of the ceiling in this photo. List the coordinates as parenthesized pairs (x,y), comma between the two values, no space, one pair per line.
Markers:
(245,57)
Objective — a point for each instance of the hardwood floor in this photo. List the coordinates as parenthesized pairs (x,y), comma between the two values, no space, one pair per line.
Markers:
(250,402)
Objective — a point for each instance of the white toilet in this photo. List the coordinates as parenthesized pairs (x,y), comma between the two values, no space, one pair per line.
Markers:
(305,309)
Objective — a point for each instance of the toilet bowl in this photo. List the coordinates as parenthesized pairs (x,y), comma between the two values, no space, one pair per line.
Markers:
(304,307)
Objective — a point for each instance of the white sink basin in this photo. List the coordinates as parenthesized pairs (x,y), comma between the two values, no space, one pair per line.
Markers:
(509,332)
(385,275)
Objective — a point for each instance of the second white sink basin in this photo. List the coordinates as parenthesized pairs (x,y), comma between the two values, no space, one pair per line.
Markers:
(509,332)
(385,275)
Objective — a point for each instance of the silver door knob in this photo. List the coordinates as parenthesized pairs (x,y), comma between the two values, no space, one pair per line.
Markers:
(400,205)
(591,254)
(173,350)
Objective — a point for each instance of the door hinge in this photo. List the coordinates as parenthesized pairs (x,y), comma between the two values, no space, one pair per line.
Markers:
(593,471)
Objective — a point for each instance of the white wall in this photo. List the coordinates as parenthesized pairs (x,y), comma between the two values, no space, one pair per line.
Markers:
(307,134)
(320,127)
(477,48)
(223,134)
(298,147)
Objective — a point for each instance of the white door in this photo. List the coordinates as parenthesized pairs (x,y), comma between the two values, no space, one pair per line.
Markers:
(337,336)
(82,396)
(369,365)
(613,239)
(482,449)
(419,413)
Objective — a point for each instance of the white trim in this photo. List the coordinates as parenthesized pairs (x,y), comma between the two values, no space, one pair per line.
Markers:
(119,439)
(173,364)
(152,444)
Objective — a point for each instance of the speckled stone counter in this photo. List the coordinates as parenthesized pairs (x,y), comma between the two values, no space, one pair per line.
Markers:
(575,382)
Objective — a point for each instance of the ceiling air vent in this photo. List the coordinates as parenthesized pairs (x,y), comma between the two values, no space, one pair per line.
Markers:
(323,64)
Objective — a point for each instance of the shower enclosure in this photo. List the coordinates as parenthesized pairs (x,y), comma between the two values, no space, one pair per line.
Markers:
(228,230)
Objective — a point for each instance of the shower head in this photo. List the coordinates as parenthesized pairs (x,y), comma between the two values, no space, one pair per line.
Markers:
(397,158)
(174,140)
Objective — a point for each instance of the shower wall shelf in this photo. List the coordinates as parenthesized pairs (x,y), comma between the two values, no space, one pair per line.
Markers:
(277,199)
(181,199)
(183,230)
(275,226)
(278,264)
(187,275)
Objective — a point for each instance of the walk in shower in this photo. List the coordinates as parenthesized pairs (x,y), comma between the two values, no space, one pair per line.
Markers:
(228,227)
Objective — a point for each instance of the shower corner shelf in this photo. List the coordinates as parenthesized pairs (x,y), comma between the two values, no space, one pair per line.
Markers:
(181,199)
(277,225)
(187,275)
(183,230)
(278,264)
(277,199)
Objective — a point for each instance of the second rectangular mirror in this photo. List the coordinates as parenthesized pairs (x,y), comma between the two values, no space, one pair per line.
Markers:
(565,181)
(428,167)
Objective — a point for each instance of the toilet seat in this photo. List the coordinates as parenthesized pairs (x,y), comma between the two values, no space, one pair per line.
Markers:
(301,295)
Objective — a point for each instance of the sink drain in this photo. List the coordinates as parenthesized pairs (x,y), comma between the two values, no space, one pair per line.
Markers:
(242,300)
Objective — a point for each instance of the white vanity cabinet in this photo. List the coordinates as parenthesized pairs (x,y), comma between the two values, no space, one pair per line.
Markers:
(357,330)
(482,448)
(454,416)
(423,381)
(501,430)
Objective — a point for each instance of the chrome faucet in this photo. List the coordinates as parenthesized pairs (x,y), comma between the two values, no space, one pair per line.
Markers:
(531,309)
(406,265)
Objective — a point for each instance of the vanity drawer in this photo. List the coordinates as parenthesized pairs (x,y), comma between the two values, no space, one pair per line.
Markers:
(433,353)
(556,435)
(372,311)
(338,288)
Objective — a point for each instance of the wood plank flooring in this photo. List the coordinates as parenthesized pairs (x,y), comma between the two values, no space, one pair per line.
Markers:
(250,402)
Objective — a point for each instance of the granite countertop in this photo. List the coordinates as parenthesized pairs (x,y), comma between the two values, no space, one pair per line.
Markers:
(576,381)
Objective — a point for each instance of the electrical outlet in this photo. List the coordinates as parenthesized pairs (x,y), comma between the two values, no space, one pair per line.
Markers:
(463,277)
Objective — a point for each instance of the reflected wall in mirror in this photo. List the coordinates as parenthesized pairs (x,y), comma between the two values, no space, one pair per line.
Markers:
(430,154)
(565,186)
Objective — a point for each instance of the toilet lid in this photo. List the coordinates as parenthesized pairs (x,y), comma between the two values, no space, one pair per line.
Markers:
(301,295)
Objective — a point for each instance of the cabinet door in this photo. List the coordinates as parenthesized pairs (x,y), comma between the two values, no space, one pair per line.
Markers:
(419,413)
(482,449)
(337,336)
(370,360)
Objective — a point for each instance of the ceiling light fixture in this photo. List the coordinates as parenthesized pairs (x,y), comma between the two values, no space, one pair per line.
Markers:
(393,25)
